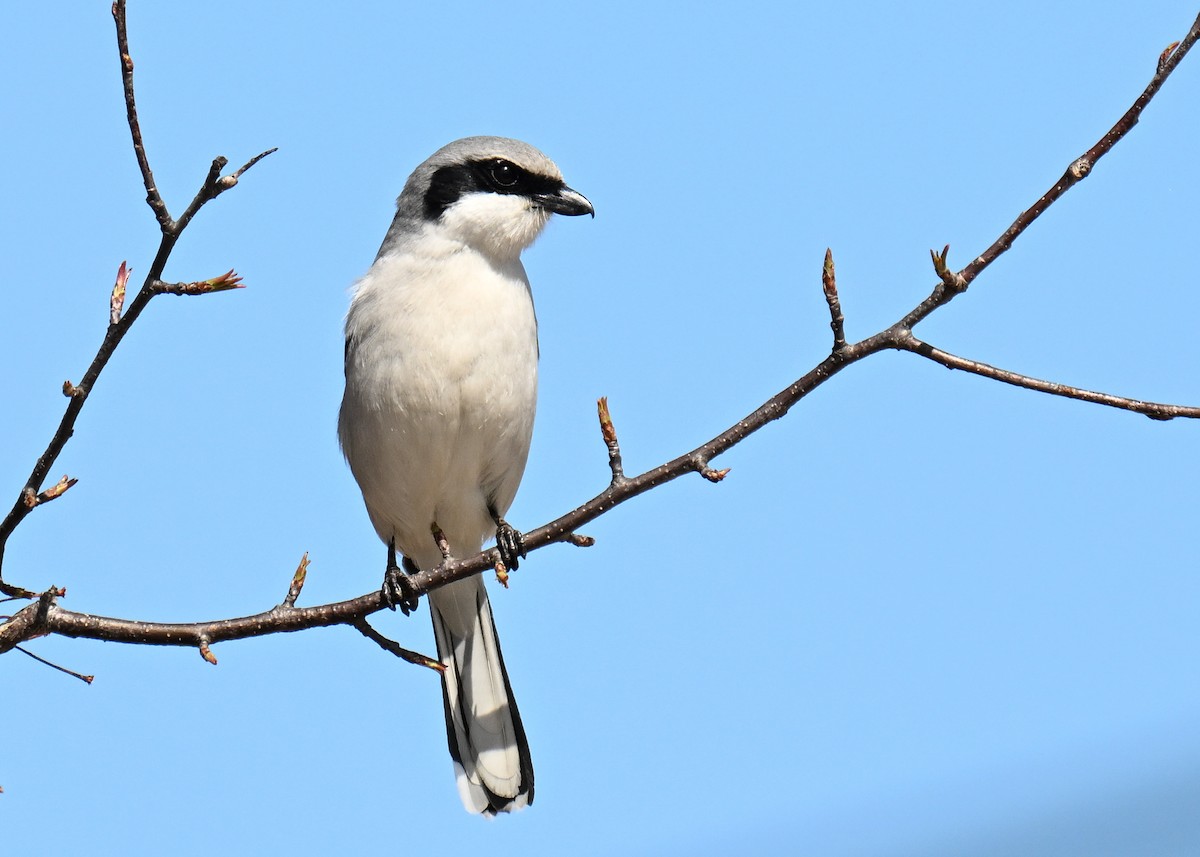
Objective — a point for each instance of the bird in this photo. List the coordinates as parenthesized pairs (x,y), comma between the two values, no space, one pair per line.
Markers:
(441,366)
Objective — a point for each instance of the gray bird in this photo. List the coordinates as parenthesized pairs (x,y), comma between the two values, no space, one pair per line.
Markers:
(441,388)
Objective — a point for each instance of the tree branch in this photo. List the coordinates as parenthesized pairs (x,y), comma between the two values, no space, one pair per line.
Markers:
(119,324)
(45,616)
(153,197)
(1077,171)
(1154,410)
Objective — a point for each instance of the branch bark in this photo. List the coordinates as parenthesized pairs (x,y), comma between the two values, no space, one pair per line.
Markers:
(45,616)
(214,185)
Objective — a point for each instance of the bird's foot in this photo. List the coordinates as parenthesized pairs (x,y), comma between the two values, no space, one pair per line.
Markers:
(510,542)
(397,590)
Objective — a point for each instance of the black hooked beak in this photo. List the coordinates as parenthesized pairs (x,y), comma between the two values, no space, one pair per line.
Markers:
(565,201)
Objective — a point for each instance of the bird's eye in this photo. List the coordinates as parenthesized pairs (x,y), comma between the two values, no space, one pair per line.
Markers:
(504,174)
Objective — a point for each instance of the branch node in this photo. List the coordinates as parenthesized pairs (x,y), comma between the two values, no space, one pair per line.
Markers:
(1080,167)
(71,391)
(579,540)
(501,573)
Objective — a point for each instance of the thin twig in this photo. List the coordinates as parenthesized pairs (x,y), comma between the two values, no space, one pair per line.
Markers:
(223,283)
(396,649)
(1154,410)
(215,184)
(84,678)
(153,197)
(119,323)
(232,179)
(1078,170)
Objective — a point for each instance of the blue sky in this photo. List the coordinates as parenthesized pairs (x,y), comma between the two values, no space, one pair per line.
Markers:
(925,614)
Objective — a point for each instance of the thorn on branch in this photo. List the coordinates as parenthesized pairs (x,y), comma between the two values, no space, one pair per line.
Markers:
(955,282)
(297,582)
(55,491)
(837,321)
(609,432)
(223,283)
(117,301)
(206,652)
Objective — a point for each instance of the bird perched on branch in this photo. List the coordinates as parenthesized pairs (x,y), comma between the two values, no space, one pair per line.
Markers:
(441,387)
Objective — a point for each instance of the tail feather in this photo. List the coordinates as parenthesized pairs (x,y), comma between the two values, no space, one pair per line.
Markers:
(487,741)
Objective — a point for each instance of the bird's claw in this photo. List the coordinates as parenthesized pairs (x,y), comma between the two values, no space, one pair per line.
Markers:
(510,543)
(397,590)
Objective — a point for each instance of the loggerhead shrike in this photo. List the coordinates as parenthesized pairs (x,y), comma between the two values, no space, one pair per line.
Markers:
(441,387)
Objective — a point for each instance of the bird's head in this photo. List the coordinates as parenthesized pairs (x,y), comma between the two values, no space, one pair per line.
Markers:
(492,193)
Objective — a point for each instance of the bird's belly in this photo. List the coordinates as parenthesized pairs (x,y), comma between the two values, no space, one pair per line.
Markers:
(441,429)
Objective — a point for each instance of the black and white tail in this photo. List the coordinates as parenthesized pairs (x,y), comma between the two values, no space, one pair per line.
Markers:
(487,742)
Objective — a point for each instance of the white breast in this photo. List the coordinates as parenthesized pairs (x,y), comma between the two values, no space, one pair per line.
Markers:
(441,388)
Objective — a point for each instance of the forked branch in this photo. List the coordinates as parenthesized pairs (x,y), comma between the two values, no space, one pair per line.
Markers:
(44,616)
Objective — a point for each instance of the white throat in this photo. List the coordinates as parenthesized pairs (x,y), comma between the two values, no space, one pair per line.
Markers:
(501,225)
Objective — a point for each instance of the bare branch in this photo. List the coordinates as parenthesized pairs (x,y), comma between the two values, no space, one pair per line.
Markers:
(119,323)
(1078,170)
(88,679)
(46,617)
(215,184)
(231,180)
(1154,410)
(153,197)
(396,649)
